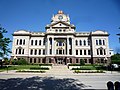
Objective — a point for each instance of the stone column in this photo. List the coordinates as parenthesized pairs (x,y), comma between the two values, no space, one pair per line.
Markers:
(53,46)
(67,46)
(73,45)
(48,45)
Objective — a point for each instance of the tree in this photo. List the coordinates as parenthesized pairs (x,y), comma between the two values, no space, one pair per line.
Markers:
(4,43)
(82,62)
(115,59)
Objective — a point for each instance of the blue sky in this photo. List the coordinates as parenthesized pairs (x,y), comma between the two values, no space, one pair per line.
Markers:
(86,15)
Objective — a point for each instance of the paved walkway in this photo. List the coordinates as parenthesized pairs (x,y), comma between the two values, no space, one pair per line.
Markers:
(59,70)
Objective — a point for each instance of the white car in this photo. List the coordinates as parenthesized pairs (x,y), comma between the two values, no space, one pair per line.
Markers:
(115,65)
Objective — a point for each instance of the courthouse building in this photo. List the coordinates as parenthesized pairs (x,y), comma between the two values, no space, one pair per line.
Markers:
(61,44)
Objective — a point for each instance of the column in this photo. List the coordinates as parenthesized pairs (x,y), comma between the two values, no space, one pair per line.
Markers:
(67,46)
(48,46)
(53,46)
(73,45)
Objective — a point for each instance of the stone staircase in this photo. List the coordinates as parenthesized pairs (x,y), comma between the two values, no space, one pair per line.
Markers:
(59,70)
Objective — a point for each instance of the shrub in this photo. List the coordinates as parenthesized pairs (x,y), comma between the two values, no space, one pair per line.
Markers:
(73,64)
(45,64)
(31,71)
(39,68)
(82,62)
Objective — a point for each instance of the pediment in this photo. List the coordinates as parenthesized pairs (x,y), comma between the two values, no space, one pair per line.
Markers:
(21,32)
(60,24)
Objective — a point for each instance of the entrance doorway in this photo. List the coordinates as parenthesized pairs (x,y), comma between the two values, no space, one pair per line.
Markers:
(59,61)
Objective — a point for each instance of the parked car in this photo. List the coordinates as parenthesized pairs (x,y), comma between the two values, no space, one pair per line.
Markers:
(115,65)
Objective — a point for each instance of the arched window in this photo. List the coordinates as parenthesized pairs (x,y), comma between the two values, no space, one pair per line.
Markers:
(57,44)
(84,43)
(20,41)
(24,42)
(17,41)
(35,53)
(50,41)
(76,42)
(80,42)
(44,41)
(35,42)
(31,42)
(70,60)
(31,51)
(96,42)
(100,42)
(39,42)
(103,42)
(63,44)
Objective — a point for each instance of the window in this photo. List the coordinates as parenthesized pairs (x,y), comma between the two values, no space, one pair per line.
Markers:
(39,51)
(76,42)
(100,42)
(50,41)
(60,30)
(24,42)
(23,51)
(70,60)
(31,42)
(97,52)
(76,60)
(56,51)
(60,43)
(70,51)
(43,51)
(30,60)
(84,52)
(104,52)
(50,51)
(76,52)
(56,30)
(84,43)
(16,51)
(31,51)
(103,42)
(85,60)
(101,52)
(80,52)
(64,30)
(88,52)
(96,42)
(70,41)
(35,42)
(60,51)
(39,42)
(39,60)
(17,41)
(80,42)
(34,60)
(20,41)
(19,51)
(35,53)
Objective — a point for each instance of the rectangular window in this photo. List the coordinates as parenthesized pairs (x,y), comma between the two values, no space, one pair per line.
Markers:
(50,51)
(101,52)
(39,42)
(20,41)
(30,60)
(17,41)
(39,51)
(19,51)
(84,52)
(34,60)
(35,42)
(76,52)
(35,53)
(70,51)
(85,60)
(97,52)
(16,51)
(76,60)
(43,51)
(31,42)
(60,51)
(23,51)
(80,52)
(88,52)
(104,52)
(96,42)
(24,42)
(31,51)
(56,51)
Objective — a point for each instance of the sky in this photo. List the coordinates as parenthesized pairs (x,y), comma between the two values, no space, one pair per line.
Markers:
(86,15)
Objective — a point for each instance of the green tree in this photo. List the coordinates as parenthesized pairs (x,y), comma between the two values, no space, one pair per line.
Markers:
(4,43)
(115,59)
(82,62)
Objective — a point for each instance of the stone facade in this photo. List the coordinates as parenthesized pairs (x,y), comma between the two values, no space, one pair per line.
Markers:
(61,44)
